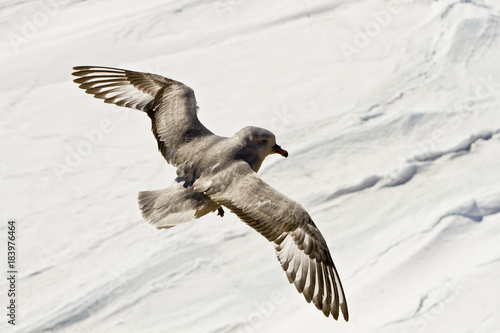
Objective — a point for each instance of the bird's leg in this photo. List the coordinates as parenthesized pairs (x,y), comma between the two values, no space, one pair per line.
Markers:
(220,212)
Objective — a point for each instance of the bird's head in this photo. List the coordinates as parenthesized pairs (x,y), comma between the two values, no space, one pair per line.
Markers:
(257,144)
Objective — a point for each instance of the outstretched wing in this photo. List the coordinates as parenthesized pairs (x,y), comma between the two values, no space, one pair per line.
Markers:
(301,249)
(170,104)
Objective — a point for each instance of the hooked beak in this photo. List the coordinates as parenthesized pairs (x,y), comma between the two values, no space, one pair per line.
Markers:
(278,150)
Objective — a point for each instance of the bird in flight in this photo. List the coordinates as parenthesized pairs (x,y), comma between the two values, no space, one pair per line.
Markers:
(215,172)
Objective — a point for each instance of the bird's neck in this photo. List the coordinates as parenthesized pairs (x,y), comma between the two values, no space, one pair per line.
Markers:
(250,156)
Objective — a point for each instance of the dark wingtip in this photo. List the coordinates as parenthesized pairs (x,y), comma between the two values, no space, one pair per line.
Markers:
(345,313)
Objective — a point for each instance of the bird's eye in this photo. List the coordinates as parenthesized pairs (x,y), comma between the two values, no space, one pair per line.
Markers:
(264,141)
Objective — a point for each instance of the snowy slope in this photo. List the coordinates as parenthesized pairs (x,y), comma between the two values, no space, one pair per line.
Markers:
(390,112)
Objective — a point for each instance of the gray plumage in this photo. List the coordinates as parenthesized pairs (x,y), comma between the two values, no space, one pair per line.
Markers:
(216,171)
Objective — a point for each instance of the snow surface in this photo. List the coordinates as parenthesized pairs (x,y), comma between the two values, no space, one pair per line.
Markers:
(390,112)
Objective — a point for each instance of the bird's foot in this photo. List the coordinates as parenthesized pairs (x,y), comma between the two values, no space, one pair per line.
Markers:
(220,212)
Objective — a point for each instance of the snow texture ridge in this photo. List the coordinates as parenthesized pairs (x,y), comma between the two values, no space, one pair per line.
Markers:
(390,112)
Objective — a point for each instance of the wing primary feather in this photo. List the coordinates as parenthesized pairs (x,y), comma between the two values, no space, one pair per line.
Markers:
(98,89)
(101,83)
(86,79)
(90,73)
(82,68)
(288,250)
(303,275)
(292,275)
(335,305)
(318,297)
(328,290)
(312,281)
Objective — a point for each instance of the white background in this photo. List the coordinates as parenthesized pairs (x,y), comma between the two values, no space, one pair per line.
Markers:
(390,113)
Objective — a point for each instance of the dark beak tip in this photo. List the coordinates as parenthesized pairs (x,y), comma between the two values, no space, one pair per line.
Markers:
(278,150)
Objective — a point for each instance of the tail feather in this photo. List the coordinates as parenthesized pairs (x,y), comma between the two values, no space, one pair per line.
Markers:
(174,205)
